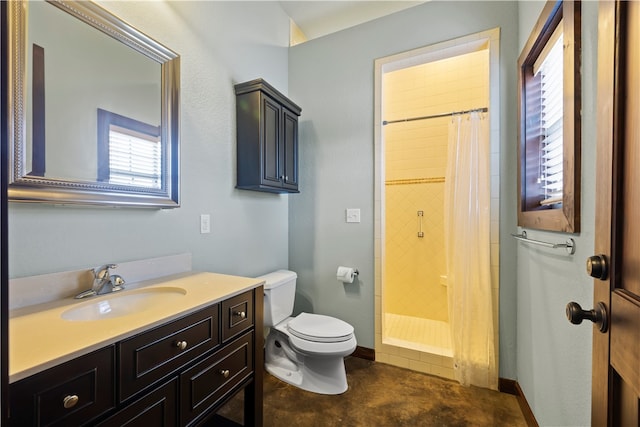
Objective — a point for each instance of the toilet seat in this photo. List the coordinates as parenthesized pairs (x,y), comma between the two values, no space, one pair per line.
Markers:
(335,343)
(319,328)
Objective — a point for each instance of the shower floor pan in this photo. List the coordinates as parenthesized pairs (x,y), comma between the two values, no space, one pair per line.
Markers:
(415,333)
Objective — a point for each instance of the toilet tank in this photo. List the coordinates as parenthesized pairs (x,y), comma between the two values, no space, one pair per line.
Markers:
(279,294)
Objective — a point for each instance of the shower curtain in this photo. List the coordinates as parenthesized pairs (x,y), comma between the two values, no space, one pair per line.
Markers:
(467,246)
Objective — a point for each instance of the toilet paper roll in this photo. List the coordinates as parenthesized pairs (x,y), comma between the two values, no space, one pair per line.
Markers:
(345,274)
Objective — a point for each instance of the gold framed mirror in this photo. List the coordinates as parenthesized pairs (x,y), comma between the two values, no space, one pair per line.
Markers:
(71,65)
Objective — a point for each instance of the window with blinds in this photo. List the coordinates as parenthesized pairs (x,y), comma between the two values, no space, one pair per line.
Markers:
(549,67)
(129,151)
(549,121)
(134,158)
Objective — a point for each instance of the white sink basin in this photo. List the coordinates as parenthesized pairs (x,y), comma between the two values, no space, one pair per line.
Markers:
(123,304)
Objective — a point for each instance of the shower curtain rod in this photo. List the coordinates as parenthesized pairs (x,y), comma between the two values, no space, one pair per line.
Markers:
(435,116)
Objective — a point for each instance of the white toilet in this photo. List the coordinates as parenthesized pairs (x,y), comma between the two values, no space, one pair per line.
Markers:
(308,350)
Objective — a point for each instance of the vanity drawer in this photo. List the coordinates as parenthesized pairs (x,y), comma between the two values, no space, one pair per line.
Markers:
(203,385)
(156,409)
(84,385)
(150,356)
(237,315)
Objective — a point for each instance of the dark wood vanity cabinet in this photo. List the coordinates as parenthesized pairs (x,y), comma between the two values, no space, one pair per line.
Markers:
(176,374)
(267,139)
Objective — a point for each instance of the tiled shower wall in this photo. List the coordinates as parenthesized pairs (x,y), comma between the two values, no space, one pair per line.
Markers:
(415,166)
(413,264)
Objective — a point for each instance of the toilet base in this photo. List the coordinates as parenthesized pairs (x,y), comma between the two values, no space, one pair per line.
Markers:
(321,374)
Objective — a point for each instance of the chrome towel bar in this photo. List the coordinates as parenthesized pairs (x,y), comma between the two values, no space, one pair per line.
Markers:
(570,245)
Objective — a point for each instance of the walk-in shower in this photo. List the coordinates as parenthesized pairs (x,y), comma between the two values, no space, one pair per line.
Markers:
(417,95)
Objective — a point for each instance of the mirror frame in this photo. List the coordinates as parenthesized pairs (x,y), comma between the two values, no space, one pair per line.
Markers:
(24,188)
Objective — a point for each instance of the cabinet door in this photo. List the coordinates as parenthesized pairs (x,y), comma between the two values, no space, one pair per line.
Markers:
(271,112)
(289,152)
(72,393)
(207,383)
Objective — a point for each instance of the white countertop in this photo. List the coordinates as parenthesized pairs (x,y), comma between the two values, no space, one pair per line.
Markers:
(39,338)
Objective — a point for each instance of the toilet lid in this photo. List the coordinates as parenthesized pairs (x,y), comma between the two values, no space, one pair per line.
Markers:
(319,328)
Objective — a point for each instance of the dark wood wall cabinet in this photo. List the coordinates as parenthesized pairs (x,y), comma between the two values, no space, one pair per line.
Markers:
(267,139)
(176,374)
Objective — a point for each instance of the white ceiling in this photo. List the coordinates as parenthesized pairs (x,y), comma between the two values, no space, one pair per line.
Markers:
(319,18)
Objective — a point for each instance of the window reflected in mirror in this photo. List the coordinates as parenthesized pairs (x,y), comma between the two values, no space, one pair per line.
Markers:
(129,151)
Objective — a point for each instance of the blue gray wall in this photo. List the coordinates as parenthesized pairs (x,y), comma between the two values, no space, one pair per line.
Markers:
(220,44)
(553,356)
(333,79)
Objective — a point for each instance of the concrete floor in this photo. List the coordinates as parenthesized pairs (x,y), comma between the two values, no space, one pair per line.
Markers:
(381,395)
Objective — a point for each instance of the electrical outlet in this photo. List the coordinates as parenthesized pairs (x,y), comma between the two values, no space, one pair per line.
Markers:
(353,215)
(205,223)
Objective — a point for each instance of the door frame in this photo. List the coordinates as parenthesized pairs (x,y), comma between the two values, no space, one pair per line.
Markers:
(610,128)
(468,43)
(4,221)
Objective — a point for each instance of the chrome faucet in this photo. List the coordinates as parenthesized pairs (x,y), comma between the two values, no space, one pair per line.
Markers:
(103,282)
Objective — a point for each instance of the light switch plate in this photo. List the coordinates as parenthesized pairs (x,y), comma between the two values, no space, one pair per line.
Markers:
(205,223)
(353,215)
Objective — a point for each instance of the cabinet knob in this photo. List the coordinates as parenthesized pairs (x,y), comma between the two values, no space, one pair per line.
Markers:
(225,373)
(70,401)
(181,344)
(240,314)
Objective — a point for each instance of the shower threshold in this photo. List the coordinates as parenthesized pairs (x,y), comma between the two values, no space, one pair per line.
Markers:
(415,333)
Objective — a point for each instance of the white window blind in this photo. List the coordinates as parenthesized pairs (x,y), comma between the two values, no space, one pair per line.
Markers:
(550,67)
(134,158)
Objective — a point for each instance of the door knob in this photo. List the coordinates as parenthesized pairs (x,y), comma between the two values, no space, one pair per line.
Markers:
(598,315)
(597,267)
